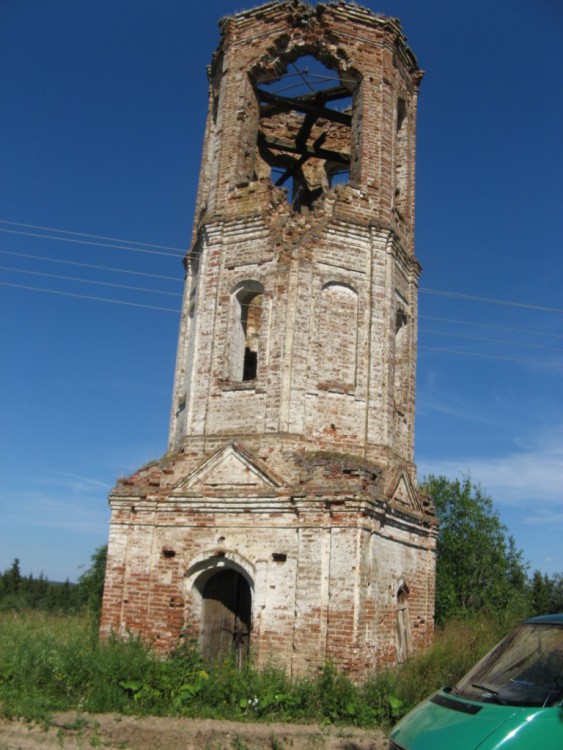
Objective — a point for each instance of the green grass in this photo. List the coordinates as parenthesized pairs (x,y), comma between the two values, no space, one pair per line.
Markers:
(54,663)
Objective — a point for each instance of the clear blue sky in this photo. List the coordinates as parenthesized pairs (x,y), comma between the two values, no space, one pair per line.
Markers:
(103,107)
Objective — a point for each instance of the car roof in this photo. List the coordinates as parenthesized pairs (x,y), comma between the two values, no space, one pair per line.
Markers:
(546,619)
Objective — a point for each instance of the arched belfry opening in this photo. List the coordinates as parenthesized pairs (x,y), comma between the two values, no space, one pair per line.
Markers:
(286,510)
(246,324)
(307,116)
(226,610)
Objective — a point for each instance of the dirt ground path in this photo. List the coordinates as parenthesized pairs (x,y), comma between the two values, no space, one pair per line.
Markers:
(71,732)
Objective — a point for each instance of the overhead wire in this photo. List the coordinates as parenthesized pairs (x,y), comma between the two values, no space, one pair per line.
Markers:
(424,290)
(90,281)
(178,294)
(490,341)
(155,249)
(93,266)
(91,236)
(180,280)
(554,365)
(490,325)
(177,311)
(131,245)
(88,242)
(491,300)
(95,299)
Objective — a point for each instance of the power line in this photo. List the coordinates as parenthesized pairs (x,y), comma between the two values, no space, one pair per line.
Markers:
(94,299)
(438,292)
(88,242)
(490,325)
(90,265)
(127,245)
(490,300)
(92,236)
(177,311)
(424,290)
(90,281)
(492,356)
(172,278)
(490,341)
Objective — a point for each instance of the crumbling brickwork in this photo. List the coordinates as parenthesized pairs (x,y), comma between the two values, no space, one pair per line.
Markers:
(286,516)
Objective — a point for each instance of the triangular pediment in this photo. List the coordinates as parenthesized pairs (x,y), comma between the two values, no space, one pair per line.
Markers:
(231,468)
(403,493)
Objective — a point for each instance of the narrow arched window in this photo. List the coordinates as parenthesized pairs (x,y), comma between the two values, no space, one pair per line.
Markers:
(401,362)
(246,326)
(404,648)
(401,159)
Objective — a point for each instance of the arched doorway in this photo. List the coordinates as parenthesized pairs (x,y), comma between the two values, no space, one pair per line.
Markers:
(226,616)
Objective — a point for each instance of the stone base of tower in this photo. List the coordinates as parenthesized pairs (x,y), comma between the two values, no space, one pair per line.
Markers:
(335,565)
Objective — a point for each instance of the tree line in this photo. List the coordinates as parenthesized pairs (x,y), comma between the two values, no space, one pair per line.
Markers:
(19,592)
(26,592)
(479,568)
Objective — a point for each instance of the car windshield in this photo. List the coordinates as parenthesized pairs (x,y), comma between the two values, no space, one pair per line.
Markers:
(525,669)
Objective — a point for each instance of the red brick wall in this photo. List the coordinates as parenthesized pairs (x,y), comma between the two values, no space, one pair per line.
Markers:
(302,478)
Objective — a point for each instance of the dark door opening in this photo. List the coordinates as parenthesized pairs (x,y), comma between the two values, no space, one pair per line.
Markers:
(226,612)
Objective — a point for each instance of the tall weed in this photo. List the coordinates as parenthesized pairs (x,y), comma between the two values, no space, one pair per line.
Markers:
(457,646)
(54,662)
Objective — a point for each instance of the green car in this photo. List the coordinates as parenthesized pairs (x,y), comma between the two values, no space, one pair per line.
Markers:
(511,700)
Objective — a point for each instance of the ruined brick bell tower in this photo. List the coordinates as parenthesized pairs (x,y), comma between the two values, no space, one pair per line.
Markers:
(285,517)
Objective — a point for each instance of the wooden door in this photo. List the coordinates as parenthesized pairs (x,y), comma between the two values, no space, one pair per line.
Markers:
(226,614)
